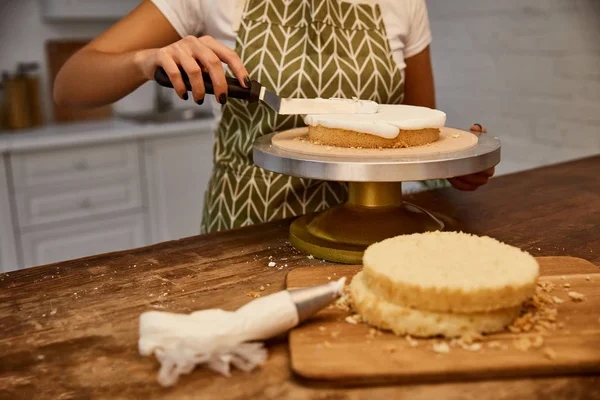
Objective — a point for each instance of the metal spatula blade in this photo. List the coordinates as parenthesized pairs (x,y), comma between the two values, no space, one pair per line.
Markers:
(257,92)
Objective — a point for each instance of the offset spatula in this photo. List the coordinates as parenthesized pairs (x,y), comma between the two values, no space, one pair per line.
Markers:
(258,92)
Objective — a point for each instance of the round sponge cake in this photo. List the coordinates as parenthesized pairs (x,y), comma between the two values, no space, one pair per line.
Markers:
(405,320)
(449,272)
(392,126)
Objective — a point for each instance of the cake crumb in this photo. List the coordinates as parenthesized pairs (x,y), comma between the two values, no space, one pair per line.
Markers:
(262,288)
(322,328)
(497,345)
(567,285)
(310,257)
(470,338)
(576,296)
(327,344)
(268,284)
(328,278)
(441,347)
(549,353)
(253,294)
(522,343)
(411,342)
(537,342)
(563,277)
(587,278)
(547,286)
(557,300)
(391,348)
(271,264)
(335,334)
(353,319)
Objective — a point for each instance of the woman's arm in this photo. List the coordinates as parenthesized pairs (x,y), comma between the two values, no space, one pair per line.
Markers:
(419,90)
(126,55)
(419,87)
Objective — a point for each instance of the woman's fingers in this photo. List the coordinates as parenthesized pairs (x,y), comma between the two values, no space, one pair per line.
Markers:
(478,128)
(195,55)
(474,179)
(489,172)
(165,60)
(230,57)
(194,73)
(461,185)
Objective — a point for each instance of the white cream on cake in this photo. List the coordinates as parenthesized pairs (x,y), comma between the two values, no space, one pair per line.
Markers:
(386,122)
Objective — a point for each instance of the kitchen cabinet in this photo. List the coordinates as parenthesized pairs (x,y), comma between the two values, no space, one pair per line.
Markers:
(177,174)
(83,239)
(8,250)
(66,195)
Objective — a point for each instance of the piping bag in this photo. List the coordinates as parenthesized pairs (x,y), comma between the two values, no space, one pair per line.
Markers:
(218,339)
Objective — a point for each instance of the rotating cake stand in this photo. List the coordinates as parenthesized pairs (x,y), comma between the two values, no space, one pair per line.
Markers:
(375,209)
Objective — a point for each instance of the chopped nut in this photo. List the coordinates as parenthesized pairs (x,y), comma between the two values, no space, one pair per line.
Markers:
(566,285)
(271,264)
(253,294)
(577,297)
(411,342)
(441,347)
(310,257)
(262,288)
(353,319)
(557,300)
(549,353)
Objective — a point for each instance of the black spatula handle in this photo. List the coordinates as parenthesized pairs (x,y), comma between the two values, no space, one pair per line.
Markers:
(234,88)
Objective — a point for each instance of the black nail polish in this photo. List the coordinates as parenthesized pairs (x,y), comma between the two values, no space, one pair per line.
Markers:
(222,98)
(200,101)
(185,96)
(247,81)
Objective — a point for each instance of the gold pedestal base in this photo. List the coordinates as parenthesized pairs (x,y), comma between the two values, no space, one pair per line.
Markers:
(374,211)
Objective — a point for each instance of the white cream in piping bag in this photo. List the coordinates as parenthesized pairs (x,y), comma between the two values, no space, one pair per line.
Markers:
(386,122)
(219,339)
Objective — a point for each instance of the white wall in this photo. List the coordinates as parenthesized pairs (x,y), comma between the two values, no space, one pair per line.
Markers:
(23,36)
(528,69)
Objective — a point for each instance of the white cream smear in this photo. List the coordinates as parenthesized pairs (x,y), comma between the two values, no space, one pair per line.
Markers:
(386,122)
(328,106)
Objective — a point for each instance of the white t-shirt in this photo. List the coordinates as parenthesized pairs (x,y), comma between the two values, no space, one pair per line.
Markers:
(406,22)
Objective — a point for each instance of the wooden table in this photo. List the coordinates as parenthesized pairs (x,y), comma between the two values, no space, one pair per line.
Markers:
(69,330)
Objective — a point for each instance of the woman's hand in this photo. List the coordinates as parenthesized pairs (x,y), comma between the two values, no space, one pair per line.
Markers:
(194,55)
(473,181)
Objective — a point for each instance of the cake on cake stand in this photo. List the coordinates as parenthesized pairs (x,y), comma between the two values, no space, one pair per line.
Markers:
(375,209)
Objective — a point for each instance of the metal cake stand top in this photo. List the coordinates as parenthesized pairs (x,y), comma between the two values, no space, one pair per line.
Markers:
(484,155)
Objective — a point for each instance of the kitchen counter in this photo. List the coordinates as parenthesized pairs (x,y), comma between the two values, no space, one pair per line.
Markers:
(83,133)
(70,329)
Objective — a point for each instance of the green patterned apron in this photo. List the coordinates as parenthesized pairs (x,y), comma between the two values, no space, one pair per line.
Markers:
(300,49)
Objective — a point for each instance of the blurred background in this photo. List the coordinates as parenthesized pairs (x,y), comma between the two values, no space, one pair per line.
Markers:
(82,182)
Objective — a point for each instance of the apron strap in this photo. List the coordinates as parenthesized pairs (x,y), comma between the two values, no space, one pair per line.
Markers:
(237,14)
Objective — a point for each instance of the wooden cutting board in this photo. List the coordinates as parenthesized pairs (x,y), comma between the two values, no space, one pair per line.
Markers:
(327,348)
